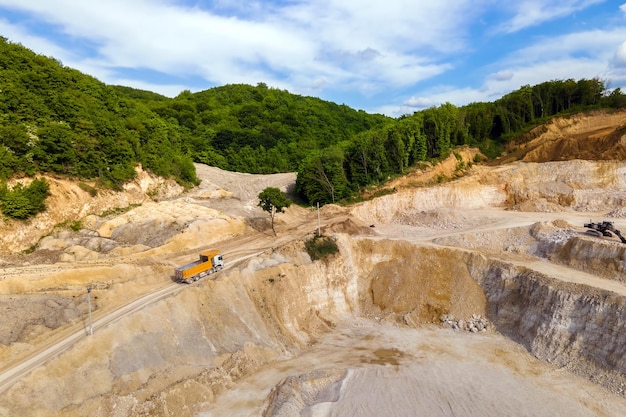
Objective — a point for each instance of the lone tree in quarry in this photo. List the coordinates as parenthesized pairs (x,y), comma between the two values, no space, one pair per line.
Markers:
(273,201)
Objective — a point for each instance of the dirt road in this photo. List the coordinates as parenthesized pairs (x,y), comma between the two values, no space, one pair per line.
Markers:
(10,373)
(462,374)
(294,226)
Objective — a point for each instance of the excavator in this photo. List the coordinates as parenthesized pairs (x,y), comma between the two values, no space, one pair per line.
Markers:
(604,228)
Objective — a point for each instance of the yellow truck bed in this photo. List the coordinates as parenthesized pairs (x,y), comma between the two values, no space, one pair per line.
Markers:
(192,269)
(196,269)
(209,254)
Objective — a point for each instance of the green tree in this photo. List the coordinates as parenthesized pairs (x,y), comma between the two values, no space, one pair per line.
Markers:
(273,201)
(22,202)
(617,99)
(322,177)
(56,119)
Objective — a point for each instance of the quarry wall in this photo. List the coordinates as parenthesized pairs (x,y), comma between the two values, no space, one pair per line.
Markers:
(186,349)
(566,324)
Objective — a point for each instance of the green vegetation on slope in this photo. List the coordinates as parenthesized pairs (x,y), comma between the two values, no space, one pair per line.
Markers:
(260,129)
(22,202)
(54,119)
(339,171)
(320,247)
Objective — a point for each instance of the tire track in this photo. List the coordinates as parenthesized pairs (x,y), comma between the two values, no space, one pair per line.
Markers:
(14,372)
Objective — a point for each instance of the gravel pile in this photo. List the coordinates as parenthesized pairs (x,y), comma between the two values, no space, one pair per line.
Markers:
(475,324)
(440,219)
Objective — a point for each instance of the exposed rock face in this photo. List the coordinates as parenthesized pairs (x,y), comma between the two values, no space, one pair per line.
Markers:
(592,136)
(471,193)
(561,323)
(580,185)
(585,186)
(296,394)
(189,348)
(33,315)
(70,202)
(604,258)
(375,330)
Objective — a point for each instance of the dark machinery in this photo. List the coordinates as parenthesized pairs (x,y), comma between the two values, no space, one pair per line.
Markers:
(604,228)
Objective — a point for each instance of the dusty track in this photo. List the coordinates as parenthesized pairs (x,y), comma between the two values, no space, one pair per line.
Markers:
(471,216)
(10,373)
(236,250)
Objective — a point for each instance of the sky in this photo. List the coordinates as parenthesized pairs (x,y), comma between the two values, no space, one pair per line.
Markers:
(392,57)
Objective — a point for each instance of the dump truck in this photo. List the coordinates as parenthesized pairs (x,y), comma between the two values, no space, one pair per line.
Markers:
(210,261)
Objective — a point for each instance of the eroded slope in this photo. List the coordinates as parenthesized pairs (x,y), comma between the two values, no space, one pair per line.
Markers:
(504,244)
(189,351)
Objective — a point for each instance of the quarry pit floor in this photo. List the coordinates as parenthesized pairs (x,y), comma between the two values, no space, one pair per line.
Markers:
(362,365)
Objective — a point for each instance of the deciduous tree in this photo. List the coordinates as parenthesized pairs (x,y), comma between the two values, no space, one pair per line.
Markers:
(273,201)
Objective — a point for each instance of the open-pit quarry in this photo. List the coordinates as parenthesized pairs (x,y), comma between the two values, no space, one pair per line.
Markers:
(479,296)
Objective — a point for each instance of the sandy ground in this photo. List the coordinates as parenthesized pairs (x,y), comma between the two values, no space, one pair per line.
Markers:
(362,367)
(370,369)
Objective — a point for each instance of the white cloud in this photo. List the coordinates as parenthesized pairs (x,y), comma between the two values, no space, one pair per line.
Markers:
(34,43)
(356,25)
(144,34)
(345,42)
(529,13)
(432,98)
(597,53)
(421,102)
(617,70)
(442,94)
(594,44)
(366,47)
(504,75)
(619,60)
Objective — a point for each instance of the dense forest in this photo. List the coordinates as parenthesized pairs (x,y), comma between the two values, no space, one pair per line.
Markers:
(260,129)
(340,171)
(54,119)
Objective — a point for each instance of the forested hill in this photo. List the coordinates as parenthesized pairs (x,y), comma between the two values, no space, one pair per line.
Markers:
(54,119)
(259,129)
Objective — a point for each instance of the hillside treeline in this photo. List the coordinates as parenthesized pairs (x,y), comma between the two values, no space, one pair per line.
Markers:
(259,129)
(54,119)
(371,157)
(58,120)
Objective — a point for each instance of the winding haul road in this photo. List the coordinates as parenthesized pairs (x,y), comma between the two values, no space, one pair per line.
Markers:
(237,249)
(12,373)
(241,248)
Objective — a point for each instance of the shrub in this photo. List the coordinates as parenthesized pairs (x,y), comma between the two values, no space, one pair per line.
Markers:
(74,225)
(441,178)
(319,247)
(118,210)
(16,205)
(22,202)
(384,191)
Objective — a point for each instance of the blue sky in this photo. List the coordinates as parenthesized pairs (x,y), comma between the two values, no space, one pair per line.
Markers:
(392,57)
